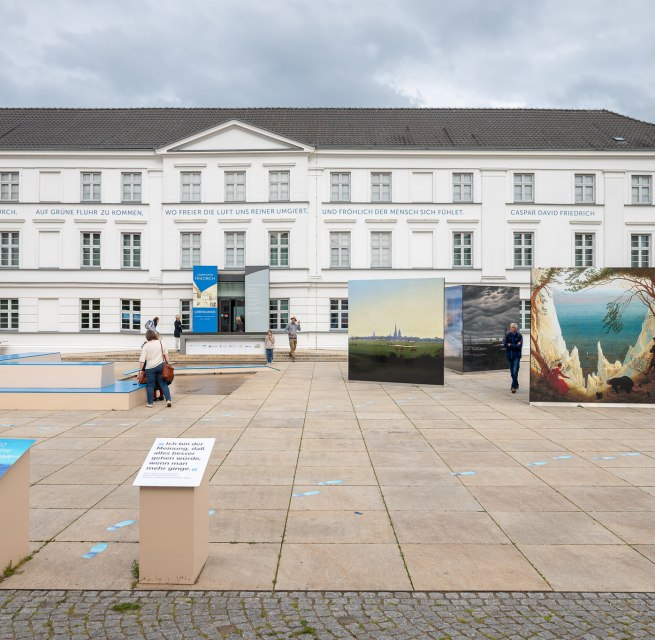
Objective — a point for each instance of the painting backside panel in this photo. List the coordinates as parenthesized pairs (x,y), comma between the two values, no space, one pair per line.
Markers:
(453,346)
(593,336)
(396,330)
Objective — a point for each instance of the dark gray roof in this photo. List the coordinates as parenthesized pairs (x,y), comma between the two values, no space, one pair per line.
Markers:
(492,129)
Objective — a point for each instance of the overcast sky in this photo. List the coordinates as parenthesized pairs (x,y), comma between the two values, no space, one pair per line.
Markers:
(361,53)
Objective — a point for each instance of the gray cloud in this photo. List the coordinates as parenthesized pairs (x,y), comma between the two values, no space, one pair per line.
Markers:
(555,53)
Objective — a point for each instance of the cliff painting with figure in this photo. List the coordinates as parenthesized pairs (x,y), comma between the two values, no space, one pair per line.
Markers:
(593,336)
(396,330)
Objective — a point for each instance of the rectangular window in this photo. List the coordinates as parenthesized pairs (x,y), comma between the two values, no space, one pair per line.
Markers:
(340,249)
(380,187)
(584,249)
(339,313)
(9,314)
(91,250)
(524,320)
(131,187)
(186,315)
(9,249)
(235,249)
(462,187)
(90,314)
(9,186)
(91,187)
(524,187)
(279,313)
(278,248)
(641,189)
(340,187)
(640,250)
(235,186)
(130,315)
(190,186)
(462,249)
(131,250)
(381,249)
(523,249)
(278,186)
(585,188)
(189,249)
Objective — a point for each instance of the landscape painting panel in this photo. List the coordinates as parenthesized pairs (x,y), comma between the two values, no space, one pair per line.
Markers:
(593,336)
(487,313)
(396,330)
(453,347)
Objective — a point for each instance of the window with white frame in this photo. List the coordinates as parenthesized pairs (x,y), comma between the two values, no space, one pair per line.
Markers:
(130,315)
(640,250)
(463,249)
(340,249)
(380,187)
(131,246)
(524,187)
(381,249)
(278,186)
(584,249)
(190,184)
(186,315)
(235,249)
(189,249)
(523,248)
(340,187)
(131,187)
(90,314)
(9,249)
(641,189)
(524,320)
(91,186)
(9,186)
(91,250)
(278,248)
(279,313)
(8,314)
(585,188)
(462,187)
(338,313)
(235,186)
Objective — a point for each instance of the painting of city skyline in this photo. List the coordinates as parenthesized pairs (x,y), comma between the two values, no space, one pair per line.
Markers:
(593,336)
(477,318)
(396,330)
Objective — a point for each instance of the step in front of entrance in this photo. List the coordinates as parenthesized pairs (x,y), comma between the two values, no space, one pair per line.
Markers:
(181,359)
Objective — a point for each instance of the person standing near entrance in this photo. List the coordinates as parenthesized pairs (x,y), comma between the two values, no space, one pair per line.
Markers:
(292,330)
(269,345)
(177,331)
(513,349)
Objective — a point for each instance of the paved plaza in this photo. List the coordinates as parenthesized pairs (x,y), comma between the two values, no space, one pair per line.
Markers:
(318,483)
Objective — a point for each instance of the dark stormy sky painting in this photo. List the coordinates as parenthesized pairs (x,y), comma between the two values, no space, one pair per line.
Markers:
(488,311)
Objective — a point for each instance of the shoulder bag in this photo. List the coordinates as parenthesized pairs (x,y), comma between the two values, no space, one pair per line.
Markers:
(167,373)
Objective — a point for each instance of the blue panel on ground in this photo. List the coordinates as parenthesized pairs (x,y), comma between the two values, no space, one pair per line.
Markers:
(120,386)
(18,356)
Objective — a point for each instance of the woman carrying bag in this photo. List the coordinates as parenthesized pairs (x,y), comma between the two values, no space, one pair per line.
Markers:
(154,358)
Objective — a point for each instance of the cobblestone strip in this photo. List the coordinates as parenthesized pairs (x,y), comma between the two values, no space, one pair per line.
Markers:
(231,615)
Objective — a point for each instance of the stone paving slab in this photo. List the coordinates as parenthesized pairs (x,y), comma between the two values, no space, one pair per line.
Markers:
(247,615)
(320,483)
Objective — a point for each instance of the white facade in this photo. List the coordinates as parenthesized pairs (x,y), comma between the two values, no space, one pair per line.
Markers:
(420,198)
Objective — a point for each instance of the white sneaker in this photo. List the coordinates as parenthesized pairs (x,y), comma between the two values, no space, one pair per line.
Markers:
(149,406)
(168,403)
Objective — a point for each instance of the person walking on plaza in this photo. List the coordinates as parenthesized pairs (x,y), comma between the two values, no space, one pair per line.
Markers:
(269,344)
(292,330)
(153,356)
(177,331)
(513,348)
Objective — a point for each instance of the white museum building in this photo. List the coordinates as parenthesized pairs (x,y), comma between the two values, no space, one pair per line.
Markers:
(105,212)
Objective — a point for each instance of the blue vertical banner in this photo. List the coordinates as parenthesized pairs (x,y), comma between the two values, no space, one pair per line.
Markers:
(205,299)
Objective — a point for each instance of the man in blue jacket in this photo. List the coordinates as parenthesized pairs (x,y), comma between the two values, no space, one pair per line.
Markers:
(513,348)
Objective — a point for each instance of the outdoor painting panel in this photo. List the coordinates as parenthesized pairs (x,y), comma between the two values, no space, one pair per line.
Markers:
(592,336)
(453,347)
(396,330)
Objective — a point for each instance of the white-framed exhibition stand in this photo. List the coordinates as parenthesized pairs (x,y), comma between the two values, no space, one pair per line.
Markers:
(15,500)
(174,511)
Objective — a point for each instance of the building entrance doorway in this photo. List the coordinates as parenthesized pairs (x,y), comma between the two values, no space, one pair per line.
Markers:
(229,310)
